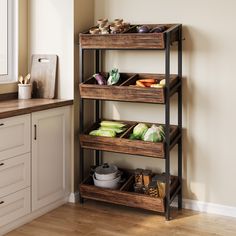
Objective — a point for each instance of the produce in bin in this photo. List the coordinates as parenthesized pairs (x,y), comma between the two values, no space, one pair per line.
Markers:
(147,29)
(109,129)
(150,134)
(113,79)
(139,131)
(143,29)
(100,79)
(103,133)
(153,83)
(105,27)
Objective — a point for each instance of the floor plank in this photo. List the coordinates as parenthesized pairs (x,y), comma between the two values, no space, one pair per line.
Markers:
(95,219)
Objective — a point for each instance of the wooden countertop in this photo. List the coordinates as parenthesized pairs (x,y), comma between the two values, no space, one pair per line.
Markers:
(15,107)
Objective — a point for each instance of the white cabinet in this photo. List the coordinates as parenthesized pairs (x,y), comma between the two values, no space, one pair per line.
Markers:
(35,152)
(15,168)
(50,155)
(14,174)
(14,136)
(14,206)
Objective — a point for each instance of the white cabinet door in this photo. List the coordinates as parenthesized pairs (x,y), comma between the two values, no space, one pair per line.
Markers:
(14,174)
(51,134)
(14,136)
(14,206)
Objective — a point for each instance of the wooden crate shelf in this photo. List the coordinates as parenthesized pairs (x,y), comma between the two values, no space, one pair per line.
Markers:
(122,143)
(125,195)
(125,91)
(129,39)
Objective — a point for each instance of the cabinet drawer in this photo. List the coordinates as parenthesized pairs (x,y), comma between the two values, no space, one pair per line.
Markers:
(14,174)
(14,136)
(14,206)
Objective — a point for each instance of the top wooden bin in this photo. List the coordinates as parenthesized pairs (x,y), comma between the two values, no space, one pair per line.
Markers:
(130,39)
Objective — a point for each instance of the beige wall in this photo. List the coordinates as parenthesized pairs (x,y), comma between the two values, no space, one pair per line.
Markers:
(51,28)
(209,89)
(23,37)
(83,19)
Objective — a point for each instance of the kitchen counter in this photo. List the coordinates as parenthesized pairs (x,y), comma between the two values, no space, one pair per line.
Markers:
(15,107)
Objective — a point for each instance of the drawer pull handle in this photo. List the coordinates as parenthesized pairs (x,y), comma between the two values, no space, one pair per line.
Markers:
(1,202)
(1,124)
(1,164)
(35,132)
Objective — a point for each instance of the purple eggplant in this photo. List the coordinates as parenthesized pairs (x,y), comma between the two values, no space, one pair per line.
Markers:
(100,79)
(158,29)
(143,29)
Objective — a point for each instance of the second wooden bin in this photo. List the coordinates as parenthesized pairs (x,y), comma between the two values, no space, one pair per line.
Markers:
(126,89)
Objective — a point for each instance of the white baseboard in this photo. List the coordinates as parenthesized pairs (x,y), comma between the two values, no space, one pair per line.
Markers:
(194,205)
(208,207)
(74,197)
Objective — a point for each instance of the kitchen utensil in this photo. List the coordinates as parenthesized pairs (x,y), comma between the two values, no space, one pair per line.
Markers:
(43,75)
(21,79)
(27,79)
(106,172)
(111,184)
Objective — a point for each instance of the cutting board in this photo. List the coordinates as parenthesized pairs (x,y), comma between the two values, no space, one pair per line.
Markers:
(43,75)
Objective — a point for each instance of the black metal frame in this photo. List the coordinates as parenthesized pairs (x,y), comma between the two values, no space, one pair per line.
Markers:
(168,94)
(167,121)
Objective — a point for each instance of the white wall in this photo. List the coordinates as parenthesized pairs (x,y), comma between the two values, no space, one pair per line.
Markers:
(51,31)
(209,88)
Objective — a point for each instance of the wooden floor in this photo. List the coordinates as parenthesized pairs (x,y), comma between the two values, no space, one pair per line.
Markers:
(95,218)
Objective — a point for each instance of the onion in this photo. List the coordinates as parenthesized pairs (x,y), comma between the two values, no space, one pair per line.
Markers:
(143,29)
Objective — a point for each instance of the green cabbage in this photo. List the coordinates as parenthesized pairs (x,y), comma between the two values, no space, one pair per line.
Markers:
(154,134)
(132,137)
(140,130)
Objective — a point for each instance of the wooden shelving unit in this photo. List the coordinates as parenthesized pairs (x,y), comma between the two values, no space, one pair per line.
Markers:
(124,92)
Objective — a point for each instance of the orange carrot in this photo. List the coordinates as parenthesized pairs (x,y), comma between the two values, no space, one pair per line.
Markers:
(147,84)
(140,84)
(147,81)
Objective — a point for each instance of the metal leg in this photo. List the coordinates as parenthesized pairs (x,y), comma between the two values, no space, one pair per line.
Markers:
(167,125)
(180,117)
(81,118)
(97,103)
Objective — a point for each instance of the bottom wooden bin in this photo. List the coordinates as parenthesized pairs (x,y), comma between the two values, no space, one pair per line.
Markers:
(124,196)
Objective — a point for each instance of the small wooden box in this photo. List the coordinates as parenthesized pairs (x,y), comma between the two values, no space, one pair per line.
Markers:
(129,39)
(124,91)
(125,195)
(122,143)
